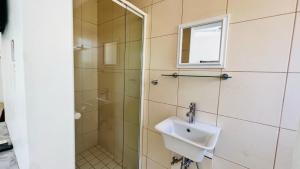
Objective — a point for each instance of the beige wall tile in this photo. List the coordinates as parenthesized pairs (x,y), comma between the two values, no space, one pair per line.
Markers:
(203,91)
(253,96)
(166,89)
(195,10)
(105,11)
(77,8)
(141,3)
(133,55)
(166,16)
(285,150)
(90,11)
(202,117)
(144,162)
(78,101)
(148,11)
(153,165)
(295,56)
(78,78)
(118,31)
(131,135)
(157,150)
(132,83)
(132,110)
(246,10)
(145,141)
(219,163)
(147,57)
(298,8)
(247,143)
(159,112)
(90,121)
(134,27)
(264,50)
(130,157)
(104,32)
(89,101)
(87,58)
(77,32)
(90,139)
(164,52)
(89,35)
(291,111)
(89,79)
(146,113)
(146,83)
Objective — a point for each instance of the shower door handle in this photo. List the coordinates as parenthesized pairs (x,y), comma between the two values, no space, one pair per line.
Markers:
(77,115)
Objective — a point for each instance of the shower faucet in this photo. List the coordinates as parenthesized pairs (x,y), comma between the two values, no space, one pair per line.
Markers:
(192,112)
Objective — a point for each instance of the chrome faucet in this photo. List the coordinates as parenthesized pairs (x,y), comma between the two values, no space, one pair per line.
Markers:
(191,113)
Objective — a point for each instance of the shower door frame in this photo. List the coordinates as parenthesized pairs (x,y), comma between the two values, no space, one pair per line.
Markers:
(134,9)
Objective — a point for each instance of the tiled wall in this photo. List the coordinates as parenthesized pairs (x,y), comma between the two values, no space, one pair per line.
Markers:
(86,65)
(119,84)
(257,109)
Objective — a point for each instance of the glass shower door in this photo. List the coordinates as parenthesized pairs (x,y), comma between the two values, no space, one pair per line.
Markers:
(108,73)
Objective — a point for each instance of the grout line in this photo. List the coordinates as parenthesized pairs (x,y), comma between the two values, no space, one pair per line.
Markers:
(285,88)
(232,162)
(265,17)
(154,3)
(161,102)
(249,121)
(162,35)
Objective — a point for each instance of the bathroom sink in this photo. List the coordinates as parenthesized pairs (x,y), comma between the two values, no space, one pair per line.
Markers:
(191,140)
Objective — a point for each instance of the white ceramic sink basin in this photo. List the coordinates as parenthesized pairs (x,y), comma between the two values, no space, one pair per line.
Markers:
(189,140)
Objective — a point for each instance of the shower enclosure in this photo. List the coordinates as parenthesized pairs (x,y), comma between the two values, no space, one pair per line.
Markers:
(108,50)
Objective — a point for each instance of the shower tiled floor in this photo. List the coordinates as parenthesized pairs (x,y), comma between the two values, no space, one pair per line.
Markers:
(96,158)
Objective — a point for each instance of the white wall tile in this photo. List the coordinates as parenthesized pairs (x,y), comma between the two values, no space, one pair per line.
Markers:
(253,96)
(285,150)
(291,111)
(249,144)
(265,50)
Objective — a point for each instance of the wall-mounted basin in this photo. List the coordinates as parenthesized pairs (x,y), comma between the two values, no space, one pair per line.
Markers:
(191,140)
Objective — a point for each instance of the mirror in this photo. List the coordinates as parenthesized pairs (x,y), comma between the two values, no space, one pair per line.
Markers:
(202,44)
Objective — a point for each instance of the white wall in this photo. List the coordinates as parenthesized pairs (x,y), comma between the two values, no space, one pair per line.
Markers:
(13,83)
(38,88)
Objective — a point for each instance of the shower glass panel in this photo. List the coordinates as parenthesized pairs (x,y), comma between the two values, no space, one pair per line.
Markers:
(108,73)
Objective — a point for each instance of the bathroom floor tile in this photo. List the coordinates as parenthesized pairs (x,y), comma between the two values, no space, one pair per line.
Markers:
(96,158)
